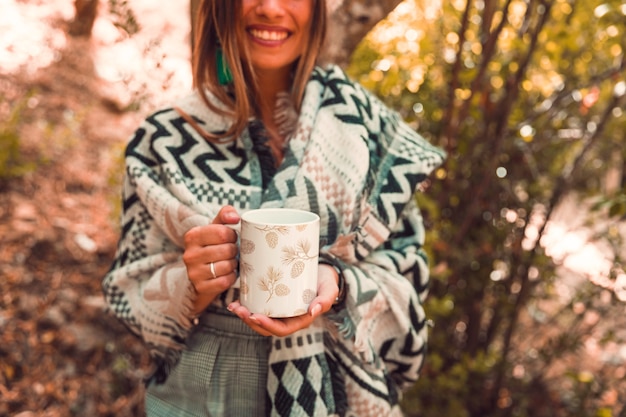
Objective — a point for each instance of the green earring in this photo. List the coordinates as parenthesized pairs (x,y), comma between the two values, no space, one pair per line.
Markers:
(224,76)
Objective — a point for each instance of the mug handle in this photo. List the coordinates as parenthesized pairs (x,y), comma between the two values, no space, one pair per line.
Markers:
(237,228)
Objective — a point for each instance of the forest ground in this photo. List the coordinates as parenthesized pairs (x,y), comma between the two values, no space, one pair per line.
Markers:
(60,353)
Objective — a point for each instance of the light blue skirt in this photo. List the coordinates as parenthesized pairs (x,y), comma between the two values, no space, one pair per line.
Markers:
(222,372)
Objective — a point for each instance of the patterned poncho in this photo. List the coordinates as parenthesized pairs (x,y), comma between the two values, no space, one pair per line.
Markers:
(352,161)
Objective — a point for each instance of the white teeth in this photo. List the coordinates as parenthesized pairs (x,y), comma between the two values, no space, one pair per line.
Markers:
(267,35)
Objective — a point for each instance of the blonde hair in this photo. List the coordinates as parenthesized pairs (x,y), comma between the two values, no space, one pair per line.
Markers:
(218,26)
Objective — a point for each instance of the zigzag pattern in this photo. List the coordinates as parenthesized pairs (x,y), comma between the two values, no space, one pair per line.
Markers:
(353,162)
(393,197)
(409,158)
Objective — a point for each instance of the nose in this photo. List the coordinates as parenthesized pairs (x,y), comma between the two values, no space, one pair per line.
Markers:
(270,8)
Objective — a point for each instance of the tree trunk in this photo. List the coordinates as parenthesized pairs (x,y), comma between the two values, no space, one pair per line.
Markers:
(349,24)
(86,12)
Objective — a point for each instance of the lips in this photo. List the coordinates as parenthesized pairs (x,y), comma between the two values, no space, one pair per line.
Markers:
(268,35)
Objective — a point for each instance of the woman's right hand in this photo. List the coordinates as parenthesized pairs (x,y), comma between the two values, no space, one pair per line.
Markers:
(211,257)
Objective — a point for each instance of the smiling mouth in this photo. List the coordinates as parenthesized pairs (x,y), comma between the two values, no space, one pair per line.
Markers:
(267,35)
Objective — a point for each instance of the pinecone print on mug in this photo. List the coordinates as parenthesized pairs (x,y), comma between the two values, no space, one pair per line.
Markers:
(272,233)
(245,269)
(244,289)
(295,256)
(278,261)
(297,269)
(269,283)
(272,239)
(247,246)
(308,295)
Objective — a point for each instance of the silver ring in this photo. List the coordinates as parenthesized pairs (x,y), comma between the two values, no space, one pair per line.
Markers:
(213,270)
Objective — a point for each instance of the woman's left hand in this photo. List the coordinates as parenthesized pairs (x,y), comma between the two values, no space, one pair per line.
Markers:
(327,290)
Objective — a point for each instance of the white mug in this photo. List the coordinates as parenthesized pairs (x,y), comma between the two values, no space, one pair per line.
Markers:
(278,261)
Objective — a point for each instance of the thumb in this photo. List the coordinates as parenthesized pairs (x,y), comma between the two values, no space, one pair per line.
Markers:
(227,215)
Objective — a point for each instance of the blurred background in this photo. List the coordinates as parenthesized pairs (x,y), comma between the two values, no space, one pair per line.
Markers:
(526,219)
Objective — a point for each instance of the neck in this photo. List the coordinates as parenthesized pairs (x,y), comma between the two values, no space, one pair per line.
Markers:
(270,83)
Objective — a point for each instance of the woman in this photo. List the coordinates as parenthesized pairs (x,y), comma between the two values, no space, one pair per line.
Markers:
(267,128)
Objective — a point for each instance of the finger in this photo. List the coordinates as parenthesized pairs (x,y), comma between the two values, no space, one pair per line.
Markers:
(212,268)
(234,306)
(327,288)
(327,291)
(198,260)
(210,234)
(283,326)
(220,268)
(227,266)
(216,285)
(227,215)
(254,326)
(244,314)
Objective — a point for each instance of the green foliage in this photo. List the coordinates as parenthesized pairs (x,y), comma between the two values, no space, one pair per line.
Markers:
(121,383)
(527,99)
(125,19)
(115,178)
(615,205)
(12,162)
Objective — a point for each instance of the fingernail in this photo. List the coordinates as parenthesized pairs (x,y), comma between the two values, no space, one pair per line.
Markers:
(231,216)
(254,319)
(230,307)
(315,311)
